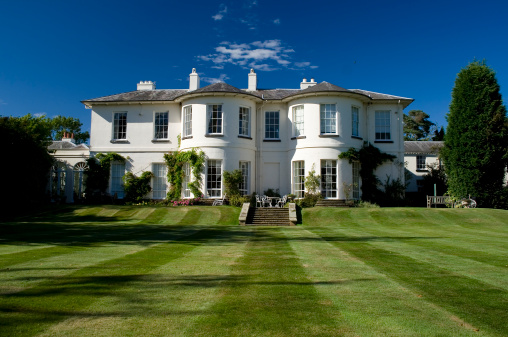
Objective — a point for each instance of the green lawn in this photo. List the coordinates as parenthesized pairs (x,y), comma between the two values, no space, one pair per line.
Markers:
(192,271)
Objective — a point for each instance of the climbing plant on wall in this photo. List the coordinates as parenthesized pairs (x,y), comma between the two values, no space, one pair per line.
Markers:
(98,171)
(370,158)
(137,187)
(175,162)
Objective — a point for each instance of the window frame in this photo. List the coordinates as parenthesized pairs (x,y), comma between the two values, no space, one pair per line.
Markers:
(155,126)
(298,178)
(277,132)
(244,185)
(217,189)
(116,181)
(421,163)
(157,179)
(323,126)
(186,121)
(298,121)
(117,133)
(355,122)
(380,129)
(329,193)
(241,127)
(209,119)
(187,178)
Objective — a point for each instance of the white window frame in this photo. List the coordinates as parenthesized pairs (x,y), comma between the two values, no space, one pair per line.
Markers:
(159,181)
(244,185)
(355,121)
(79,179)
(268,120)
(330,128)
(329,178)
(299,178)
(214,178)
(216,128)
(298,120)
(383,125)
(421,163)
(187,178)
(119,134)
(117,168)
(156,128)
(356,180)
(187,120)
(244,121)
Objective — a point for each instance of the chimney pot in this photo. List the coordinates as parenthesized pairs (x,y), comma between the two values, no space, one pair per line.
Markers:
(193,80)
(146,85)
(253,81)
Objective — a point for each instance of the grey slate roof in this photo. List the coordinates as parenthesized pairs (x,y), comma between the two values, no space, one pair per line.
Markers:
(422,147)
(267,94)
(64,145)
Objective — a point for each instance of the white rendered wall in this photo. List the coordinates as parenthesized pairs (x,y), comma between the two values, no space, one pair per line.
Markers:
(415,174)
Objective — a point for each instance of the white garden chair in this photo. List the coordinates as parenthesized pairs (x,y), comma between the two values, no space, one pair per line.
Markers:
(219,202)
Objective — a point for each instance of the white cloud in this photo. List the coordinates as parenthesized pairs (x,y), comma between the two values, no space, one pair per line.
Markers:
(265,55)
(40,114)
(212,80)
(276,21)
(220,15)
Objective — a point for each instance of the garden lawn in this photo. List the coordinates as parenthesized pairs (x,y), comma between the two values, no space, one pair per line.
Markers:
(192,271)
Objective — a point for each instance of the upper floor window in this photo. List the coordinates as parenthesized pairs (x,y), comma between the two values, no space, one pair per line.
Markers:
(355,121)
(120,125)
(298,126)
(187,121)
(420,163)
(328,119)
(161,125)
(272,125)
(244,122)
(383,125)
(214,118)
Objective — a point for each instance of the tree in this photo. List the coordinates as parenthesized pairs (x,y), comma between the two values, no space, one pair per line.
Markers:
(438,134)
(476,141)
(416,125)
(61,124)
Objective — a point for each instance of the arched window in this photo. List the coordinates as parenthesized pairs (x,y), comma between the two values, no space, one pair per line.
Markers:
(57,181)
(79,181)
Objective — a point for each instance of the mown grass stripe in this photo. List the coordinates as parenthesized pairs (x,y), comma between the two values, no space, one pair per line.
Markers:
(479,303)
(362,294)
(33,310)
(269,294)
(7,260)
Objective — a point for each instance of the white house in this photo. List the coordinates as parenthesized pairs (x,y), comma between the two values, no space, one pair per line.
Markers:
(274,136)
(418,156)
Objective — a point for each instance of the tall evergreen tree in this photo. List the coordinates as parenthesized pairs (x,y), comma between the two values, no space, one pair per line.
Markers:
(476,140)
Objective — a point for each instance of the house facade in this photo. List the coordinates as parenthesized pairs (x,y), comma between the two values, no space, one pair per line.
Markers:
(418,156)
(276,136)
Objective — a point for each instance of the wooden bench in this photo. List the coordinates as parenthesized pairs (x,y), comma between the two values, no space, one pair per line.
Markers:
(437,200)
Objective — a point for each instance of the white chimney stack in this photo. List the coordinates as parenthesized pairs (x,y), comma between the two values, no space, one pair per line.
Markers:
(253,81)
(193,80)
(305,84)
(146,85)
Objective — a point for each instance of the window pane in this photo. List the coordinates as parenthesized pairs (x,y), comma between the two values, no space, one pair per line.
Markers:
(355,121)
(299,178)
(383,125)
(298,126)
(329,179)
(120,125)
(328,118)
(215,118)
(117,172)
(214,178)
(244,119)
(244,185)
(187,121)
(272,125)
(161,125)
(159,181)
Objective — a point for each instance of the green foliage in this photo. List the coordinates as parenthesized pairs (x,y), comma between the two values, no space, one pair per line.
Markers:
(309,200)
(393,194)
(438,134)
(348,189)
(26,160)
(436,175)
(232,181)
(272,193)
(137,187)
(97,174)
(312,181)
(417,126)
(370,158)
(366,204)
(238,200)
(476,152)
(61,124)
(175,162)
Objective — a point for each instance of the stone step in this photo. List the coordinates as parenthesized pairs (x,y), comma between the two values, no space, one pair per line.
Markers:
(332,203)
(268,217)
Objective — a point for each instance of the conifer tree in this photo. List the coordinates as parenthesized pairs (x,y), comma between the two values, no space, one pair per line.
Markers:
(476,140)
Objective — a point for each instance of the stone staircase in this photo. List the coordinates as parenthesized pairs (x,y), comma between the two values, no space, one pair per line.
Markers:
(332,203)
(268,216)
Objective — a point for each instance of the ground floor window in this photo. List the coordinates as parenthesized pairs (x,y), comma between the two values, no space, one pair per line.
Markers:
(244,185)
(299,178)
(329,179)
(57,181)
(214,178)
(160,186)
(356,180)
(79,181)
(117,172)
(186,180)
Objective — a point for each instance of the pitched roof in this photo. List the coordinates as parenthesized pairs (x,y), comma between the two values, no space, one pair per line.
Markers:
(64,145)
(377,95)
(142,95)
(219,87)
(422,147)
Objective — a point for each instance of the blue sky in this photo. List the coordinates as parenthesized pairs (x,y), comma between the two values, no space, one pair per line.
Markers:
(53,54)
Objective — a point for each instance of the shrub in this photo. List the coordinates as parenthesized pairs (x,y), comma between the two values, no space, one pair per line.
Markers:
(238,200)
(309,200)
(366,204)
(137,187)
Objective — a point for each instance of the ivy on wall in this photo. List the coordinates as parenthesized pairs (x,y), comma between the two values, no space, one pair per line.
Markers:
(137,187)
(97,173)
(370,158)
(175,162)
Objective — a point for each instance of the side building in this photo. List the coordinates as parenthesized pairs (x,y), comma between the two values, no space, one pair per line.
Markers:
(274,136)
(418,156)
